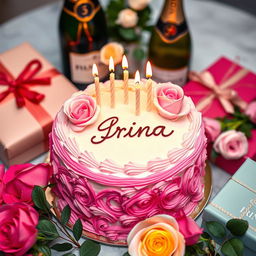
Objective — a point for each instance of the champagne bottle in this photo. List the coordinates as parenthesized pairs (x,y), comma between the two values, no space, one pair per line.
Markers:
(170,45)
(83,31)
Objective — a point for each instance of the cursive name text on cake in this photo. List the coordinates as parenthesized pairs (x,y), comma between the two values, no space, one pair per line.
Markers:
(111,129)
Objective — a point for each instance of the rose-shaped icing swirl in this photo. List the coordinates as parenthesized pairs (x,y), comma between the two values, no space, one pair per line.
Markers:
(231,144)
(81,110)
(170,101)
(157,236)
(141,204)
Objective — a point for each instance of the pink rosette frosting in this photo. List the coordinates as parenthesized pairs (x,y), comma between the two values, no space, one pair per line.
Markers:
(141,204)
(212,128)
(77,192)
(251,111)
(231,144)
(81,110)
(110,201)
(170,101)
(18,231)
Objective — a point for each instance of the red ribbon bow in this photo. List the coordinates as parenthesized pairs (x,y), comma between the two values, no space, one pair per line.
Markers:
(20,86)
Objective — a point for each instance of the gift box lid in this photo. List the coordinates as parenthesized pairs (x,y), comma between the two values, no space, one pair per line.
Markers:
(25,127)
(237,199)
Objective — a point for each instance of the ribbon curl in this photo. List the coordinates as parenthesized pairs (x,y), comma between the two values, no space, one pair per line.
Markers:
(20,86)
(227,96)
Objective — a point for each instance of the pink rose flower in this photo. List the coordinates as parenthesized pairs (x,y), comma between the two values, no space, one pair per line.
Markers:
(170,101)
(18,231)
(20,180)
(158,235)
(189,229)
(251,111)
(1,183)
(231,144)
(212,128)
(81,110)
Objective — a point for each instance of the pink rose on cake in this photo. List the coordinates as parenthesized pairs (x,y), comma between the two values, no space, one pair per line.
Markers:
(81,111)
(251,111)
(18,231)
(158,236)
(19,181)
(212,128)
(231,144)
(170,101)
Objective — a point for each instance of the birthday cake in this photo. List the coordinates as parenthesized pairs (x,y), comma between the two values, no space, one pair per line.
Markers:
(117,164)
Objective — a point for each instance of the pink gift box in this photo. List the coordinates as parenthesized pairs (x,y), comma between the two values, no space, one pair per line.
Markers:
(24,130)
(246,90)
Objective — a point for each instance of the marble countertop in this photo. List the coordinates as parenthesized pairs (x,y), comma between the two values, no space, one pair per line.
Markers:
(216,30)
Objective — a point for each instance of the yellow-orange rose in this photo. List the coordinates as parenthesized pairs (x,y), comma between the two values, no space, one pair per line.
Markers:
(156,236)
(113,49)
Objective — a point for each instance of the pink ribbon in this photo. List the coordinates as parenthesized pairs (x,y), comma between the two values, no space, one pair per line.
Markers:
(223,92)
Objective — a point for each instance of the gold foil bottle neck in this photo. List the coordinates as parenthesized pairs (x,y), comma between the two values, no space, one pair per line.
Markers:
(173,12)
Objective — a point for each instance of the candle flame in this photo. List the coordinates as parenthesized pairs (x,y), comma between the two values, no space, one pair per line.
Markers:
(148,70)
(95,70)
(124,62)
(137,77)
(111,64)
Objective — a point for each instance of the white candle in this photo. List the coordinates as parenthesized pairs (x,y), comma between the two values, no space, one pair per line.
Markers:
(137,93)
(149,86)
(125,77)
(96,83)
(112,82)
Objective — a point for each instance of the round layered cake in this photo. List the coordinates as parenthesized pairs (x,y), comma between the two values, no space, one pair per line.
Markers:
(115,166)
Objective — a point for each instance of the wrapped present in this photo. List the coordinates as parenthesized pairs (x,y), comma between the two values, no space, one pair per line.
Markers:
(31,93)
(237,199)
(216,91)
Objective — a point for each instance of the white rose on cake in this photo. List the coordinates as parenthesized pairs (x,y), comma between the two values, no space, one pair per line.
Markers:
(138,5)
(127,18)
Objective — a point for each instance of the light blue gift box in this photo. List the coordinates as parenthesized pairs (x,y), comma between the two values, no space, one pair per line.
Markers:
(237,199)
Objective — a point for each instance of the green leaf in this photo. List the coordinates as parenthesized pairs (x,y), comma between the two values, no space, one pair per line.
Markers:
(138,54)
(65,215)
(44,249)
(144,16)
(233,247)
(62,247)
(216,229)
(237,227)
(126,254)
(48,229)
(89,247)
(214,155)
(128,34)
(78,229)
(205,236)
(39,199)
(68,254)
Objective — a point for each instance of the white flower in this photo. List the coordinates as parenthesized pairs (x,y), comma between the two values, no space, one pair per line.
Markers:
(127,18)
(113,49)
(138,4)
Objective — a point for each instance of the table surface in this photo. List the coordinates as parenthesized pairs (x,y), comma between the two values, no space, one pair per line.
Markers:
(216,30)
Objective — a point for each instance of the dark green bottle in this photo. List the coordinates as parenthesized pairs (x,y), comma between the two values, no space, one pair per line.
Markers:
(170,45)
(83,32)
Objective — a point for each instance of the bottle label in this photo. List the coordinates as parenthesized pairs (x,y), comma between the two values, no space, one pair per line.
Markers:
(83,10)
(81,67)
(172,25)
(176,76)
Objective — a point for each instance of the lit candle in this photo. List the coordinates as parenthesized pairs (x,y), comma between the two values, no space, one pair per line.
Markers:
(149,86)
(137,93)
(96,83)
(126,77)
(112,82)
